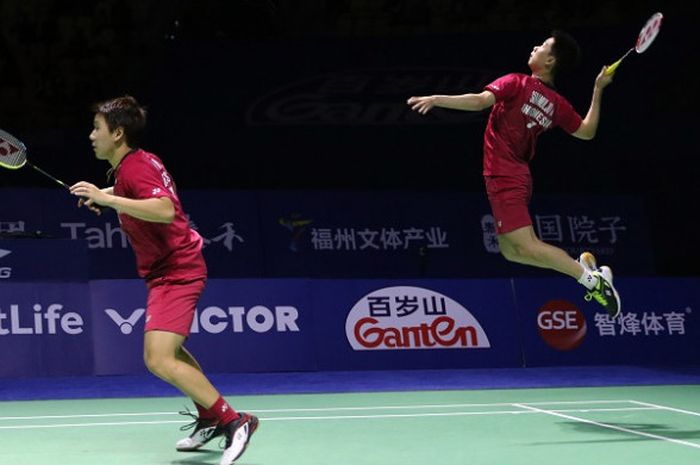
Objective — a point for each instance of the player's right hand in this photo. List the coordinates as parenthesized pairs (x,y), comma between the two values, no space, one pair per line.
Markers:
(422,104)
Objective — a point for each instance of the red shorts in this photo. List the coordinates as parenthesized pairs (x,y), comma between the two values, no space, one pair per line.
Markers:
(509,197)
(171,306)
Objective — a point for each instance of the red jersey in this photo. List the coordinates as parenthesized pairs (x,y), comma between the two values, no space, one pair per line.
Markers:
(171,252)
(525,107)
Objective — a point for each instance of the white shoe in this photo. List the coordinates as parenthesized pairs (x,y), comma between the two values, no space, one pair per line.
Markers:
(204,431)
(605,293)
(238,434)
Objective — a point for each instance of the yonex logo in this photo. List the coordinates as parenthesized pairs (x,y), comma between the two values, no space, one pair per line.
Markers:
(7,149)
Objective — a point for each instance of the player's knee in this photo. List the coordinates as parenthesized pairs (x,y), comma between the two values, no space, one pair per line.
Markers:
(507,251)
(157,364)
(517,252)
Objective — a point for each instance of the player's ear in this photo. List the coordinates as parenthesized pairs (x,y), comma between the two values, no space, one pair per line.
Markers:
(118,133)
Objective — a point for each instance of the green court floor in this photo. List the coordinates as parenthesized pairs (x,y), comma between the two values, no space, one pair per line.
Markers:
(652,425)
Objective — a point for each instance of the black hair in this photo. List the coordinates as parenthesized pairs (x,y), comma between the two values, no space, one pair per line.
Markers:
(566,53)
(126,113)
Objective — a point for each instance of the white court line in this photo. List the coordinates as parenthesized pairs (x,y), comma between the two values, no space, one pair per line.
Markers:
(333,417)
(663,407)
(613,427)
(321,409)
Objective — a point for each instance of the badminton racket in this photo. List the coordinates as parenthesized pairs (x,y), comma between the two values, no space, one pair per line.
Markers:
(646,37)
(13,155)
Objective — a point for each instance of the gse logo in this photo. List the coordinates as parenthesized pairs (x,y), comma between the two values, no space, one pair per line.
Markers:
(561,325)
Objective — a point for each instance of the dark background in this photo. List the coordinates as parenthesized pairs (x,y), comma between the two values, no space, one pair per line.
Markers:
(214,75)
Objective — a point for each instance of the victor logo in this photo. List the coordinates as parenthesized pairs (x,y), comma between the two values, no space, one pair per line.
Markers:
(215,320)
(126,325)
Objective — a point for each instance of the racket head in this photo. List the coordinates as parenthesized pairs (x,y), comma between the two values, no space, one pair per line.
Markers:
(649,32)
(13,153)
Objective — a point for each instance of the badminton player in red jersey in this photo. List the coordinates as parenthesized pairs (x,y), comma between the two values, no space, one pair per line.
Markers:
(525,106)
(169,258)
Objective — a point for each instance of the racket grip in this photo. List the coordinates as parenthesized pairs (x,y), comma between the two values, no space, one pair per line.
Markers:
(611,69)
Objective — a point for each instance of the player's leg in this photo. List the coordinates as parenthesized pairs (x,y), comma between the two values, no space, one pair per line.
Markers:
(509,197)
(170,312)
(523,246)
(204,424)
(160,354)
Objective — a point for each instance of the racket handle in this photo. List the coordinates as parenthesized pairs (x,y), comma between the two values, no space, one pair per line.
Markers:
(611,69)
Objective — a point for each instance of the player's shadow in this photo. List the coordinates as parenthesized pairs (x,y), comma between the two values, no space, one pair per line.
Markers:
(656,429)
(199,457)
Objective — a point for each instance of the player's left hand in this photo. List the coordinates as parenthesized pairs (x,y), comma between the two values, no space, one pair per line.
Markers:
(422,104)
(603,79)
(90,196)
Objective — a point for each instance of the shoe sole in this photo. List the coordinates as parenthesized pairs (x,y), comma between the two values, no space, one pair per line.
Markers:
(619,303)
(615,294)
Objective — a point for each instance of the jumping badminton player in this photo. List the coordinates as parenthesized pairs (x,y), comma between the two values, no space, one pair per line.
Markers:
(523,108)
(169,258)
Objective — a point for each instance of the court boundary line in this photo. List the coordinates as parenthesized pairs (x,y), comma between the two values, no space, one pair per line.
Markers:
(321,409)
(520,411)
(663,407)
(613,427)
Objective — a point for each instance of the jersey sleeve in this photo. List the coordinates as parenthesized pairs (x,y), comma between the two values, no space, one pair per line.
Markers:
(148,179)
(505,87)
(567,118)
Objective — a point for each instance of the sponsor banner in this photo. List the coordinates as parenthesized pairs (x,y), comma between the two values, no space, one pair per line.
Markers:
(323,324)
(362,234)
(241,325)
(379,324)
(659,323)
(348,234)
(45,329)
(228,223)
(43,259)
(614,228)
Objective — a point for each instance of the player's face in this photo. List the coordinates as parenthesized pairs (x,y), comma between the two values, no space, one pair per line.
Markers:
(102,139)
(541,55)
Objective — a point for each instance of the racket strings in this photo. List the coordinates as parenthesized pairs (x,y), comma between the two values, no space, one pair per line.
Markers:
(13,154)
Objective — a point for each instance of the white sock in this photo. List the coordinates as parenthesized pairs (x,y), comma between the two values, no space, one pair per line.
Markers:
(588,279)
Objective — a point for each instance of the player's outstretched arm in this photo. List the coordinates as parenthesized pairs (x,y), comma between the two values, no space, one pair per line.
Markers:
(155,210)
(466,102)
(589,125)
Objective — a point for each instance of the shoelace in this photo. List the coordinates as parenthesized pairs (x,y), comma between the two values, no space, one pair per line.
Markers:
(191,425)
(597,294)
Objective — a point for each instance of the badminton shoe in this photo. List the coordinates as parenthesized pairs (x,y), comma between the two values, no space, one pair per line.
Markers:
(604,292)
(238,434)
(204,431)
